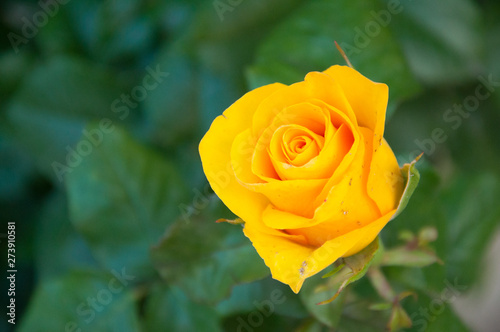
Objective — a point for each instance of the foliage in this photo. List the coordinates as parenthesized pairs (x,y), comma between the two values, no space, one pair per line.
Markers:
(102,109)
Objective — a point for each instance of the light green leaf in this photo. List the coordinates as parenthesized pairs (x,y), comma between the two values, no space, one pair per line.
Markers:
(403,256)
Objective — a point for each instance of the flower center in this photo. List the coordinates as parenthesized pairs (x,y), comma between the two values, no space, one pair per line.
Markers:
(300,145)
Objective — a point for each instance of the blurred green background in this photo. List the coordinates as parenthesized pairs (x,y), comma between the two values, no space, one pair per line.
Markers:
(102,106)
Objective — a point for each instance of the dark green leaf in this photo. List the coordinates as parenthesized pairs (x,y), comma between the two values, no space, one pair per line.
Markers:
(304,42)
(205,258)
(172,107)
(122,197)
(434,313)
(112,31)
(15,170)
(59,248)
(82,301)
(473,213)
(442,41)
(267,296)
(168,308)
(49,111)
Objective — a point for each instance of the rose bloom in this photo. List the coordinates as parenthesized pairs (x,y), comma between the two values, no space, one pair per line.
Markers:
(307,169)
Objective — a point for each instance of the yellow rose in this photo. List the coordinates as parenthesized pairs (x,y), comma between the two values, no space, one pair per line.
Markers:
(307,169)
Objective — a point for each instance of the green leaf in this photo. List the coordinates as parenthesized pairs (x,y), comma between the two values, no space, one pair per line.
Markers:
(49,111)
(312,325)
(58,35)
(207,259)
(267,295)
(82,301)
(122,197)
(112,32)
(13,67)
(59,248)
(170,308)
(403,256)
(412,176)
(434,313)
(171,109)
(473,214)
(16,170)
(441,41)
(304,42)
(358,317)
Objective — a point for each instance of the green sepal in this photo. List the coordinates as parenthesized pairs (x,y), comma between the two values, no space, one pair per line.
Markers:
(412,176)
(358,263)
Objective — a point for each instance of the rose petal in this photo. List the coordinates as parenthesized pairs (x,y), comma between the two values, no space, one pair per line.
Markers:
(385,182)
(292,262)
(316,85)
(368,99)
(296,196)
(215,148)
(306,115)
(333,154)
(345,203)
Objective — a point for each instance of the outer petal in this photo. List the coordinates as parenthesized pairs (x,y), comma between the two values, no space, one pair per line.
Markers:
(315,86)
(215,151)
(291,262)
(369,102)
(385,182)
(367,98)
